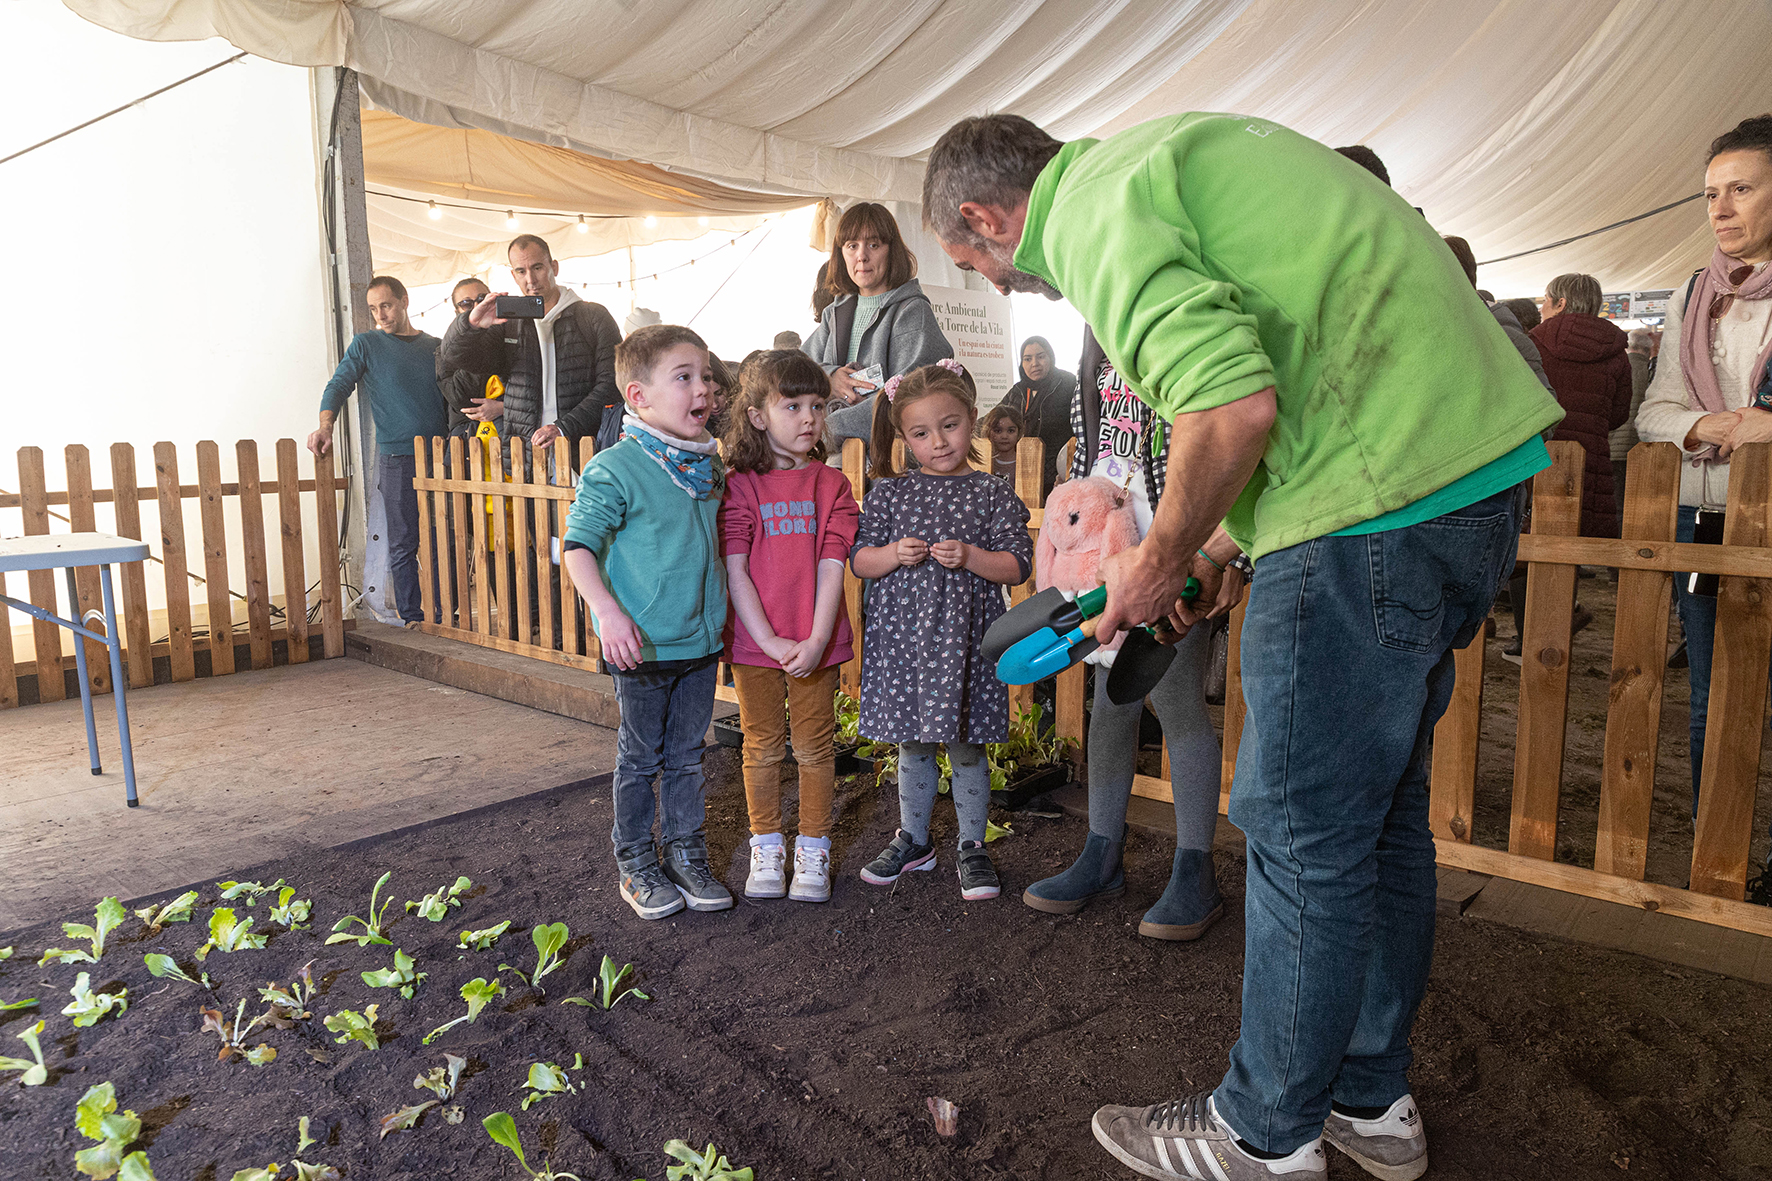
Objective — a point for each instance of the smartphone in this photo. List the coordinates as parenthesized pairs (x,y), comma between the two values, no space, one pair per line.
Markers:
(1707,529)
(868,380)
(519,307)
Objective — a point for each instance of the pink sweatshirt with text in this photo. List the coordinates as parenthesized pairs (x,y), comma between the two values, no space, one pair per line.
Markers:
(788,521)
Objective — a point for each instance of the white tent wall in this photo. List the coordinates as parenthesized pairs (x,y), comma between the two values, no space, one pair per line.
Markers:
(170,273)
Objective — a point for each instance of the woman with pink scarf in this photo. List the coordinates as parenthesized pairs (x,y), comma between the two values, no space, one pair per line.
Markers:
(1709,394)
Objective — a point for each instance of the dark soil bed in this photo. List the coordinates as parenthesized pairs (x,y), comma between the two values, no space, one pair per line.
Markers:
(804,1040)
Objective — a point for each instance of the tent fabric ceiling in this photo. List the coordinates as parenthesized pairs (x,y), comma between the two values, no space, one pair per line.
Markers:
(1511,122)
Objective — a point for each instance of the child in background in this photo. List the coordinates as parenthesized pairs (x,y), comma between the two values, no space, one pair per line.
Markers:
(1003,426)
(787,527)
(641,544)
(942,541)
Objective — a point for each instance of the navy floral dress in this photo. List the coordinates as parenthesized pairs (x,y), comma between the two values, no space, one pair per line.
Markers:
(923,678)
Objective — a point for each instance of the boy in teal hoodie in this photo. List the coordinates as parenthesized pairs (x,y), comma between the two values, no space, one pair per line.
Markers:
(642,546)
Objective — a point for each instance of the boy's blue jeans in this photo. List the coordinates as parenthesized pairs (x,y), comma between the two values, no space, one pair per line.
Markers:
(664,724)
(1347,664)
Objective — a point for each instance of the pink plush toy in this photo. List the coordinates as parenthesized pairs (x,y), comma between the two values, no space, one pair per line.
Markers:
(1087,520)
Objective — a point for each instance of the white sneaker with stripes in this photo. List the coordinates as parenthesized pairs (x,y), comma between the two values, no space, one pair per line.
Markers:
(1183,1140)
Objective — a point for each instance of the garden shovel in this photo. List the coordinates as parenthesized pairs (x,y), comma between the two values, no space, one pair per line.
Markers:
(1047,650)
(1048,613)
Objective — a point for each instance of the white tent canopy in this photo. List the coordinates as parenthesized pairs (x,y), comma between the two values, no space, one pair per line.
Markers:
(1511,122)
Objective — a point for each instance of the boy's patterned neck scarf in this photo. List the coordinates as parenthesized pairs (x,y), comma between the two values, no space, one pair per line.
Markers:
(690,463)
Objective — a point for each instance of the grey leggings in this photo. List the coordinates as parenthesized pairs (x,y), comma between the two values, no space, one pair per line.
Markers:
(1179,702)
(917,778)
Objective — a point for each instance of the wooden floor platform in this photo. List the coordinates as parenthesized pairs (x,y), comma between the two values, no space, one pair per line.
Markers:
(235,770)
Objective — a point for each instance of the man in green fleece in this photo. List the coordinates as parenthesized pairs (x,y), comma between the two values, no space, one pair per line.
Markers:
(396,368)
(1343,402)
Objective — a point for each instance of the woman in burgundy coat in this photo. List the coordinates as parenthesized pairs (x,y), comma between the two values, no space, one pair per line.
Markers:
(1584,358)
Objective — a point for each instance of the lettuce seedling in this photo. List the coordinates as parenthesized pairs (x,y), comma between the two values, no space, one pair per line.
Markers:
(291,913)
(372,926)
(273,1171)
(6,953)
(609,981)
(354,1026)
(478,993)
(24,1004)
(399,976)
(547,1080)
(136,1168)
(549,939)
(230,934)
(35,1074)
(301,1128)
(292,1002)
(251,891)
(482,939)
(435,906)
(441,1080)
(89,1006)
(709,1165)
(233,1037)
(405,1118)
(163,966)
(97,1118)
(107,917)
(503,1130)
(176,911)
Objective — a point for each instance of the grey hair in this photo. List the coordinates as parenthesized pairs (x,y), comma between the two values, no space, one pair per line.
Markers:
(1582,293)
(990,159)
(1640,339)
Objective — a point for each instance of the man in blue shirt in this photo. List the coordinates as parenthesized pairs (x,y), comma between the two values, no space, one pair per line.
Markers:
(396,368)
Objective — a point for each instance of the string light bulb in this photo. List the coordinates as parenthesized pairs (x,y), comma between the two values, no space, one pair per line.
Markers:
(510,219)
(702,220)
(584,227)
(436,213)
(651,221)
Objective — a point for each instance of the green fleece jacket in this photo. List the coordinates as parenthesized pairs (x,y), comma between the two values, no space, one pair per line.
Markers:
(657,548)
(1217,255)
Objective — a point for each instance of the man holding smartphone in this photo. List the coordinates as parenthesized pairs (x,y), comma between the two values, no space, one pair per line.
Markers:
(557,361)
(395,367)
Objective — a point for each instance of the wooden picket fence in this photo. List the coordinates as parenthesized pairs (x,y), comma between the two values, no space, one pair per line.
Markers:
(485,525)
(171,553)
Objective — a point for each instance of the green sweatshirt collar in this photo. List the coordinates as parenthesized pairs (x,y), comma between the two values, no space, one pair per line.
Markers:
(1030,256)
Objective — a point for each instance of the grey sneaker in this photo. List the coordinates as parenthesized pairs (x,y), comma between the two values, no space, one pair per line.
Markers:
(899,857)
(1183,1140)
(768,877)
(686,865)
(1392,1147)
(647,890)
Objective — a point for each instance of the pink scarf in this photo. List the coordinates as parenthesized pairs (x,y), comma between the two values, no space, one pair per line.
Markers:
(1698,331)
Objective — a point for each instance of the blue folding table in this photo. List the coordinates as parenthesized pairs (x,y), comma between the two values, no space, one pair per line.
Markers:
(68,551)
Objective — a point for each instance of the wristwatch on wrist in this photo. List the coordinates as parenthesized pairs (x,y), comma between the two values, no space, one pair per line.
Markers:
(1242,562)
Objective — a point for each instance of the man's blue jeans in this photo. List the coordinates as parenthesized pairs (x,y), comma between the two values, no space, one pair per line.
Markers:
(394,474)
(1698,615)
(664,724)
(1347,664)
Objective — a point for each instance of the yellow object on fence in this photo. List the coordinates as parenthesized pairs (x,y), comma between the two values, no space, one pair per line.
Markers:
(487,433)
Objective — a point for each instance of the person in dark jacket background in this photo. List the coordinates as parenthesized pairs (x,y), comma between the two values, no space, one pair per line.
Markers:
(464,390)
(1043,399)
(559,370)
(1584,358)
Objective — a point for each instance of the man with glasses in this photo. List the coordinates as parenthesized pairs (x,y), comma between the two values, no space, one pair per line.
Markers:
(464,389)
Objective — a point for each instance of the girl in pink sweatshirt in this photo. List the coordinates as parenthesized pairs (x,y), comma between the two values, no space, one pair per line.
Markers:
(786,528)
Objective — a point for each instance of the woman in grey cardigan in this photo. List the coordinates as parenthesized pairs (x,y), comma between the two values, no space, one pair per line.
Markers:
(880,317)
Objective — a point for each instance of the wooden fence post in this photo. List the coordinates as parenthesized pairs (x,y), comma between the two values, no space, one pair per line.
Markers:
(1452,782)
(252,544)
(1030,471)
(82,519)
(522,547)
(295,575)
(1737,719)
(34,505)
(854,469)
(1235,709)
(332,608)
(173,562)
(135,579)
(1639,663)
(428,565)
(544,550)
(1544,670)
(215,560)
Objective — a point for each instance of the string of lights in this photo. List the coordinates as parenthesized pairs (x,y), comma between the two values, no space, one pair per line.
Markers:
(435,208)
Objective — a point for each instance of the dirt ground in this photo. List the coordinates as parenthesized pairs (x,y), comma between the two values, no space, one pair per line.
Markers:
(1590,680)
(804,1040)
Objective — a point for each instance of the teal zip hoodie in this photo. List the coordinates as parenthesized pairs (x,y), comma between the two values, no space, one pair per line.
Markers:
(1217,255)
(657,548)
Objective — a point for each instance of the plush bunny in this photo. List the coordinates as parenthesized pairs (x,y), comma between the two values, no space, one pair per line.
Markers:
(1086,520)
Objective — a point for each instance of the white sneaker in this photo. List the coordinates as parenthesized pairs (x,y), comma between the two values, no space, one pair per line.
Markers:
(768,877)
(812,874)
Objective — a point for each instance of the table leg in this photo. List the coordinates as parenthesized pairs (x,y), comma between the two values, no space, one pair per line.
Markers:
(80,671)
(114,642)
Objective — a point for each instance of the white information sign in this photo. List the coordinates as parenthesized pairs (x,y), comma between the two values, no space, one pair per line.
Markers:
(977,323)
